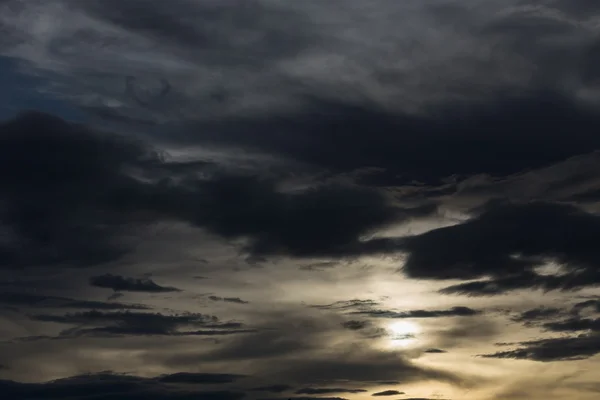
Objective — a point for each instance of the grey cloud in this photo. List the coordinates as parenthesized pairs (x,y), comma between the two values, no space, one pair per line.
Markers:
(496,286)
(574,324)
(290,350)
(355,325)
(126,284)
(555,349)
(365,367)
(452,312)
(319,266)
(43,301)
(435,351)
(386,382)
(318,391)
(594,304)
(388,393)
(465,331)
(353,114)
(348,304)
(304,398)
(199,378)
(236,300)
(111,387)
(537,314)
(424,398)
(106,42)
(98,323)
(210,28)
(278,388)
(286,44)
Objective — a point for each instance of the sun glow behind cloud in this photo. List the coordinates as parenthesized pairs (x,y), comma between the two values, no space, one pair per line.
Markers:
(403,333)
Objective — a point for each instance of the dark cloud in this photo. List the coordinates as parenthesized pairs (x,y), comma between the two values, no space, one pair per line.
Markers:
(365,328)
(84,190)
(42,301)
(67,194)
(348,304)
(318,391)
(346,137)
(555,349)
(319,266)
(574,324)
(303,398)
(355,325)
(313,222)
(98,323)
(209,30)
(279,388)
(587,304)
(108,386)
(424,398)
(126,284)
(452,312)
(537,314)
(496,286)
(506,243)
(435,351)
(195,378)
(228,299)
(388,393)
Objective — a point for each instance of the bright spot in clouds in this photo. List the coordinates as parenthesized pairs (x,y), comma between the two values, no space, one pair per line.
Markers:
(403,333)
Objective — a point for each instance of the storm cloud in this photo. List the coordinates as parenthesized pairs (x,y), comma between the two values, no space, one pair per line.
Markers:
(121,283)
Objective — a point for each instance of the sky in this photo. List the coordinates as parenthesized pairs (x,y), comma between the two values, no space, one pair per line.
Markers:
(317,199)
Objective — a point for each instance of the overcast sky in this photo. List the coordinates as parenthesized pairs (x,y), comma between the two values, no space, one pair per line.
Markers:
(299,199)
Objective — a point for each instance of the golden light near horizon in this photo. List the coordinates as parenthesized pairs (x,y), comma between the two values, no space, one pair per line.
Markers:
(403,333)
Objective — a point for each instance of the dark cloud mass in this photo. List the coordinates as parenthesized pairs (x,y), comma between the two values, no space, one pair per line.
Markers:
(536,314)
(435,351)
(304,398)
(112,387)
(328,390)
(388,393)
(555,349)
(506,243)
(453,312)
(355,325)
(66,192)
(100,196)
(126,284)
(273,388)
(98,323)
(196,378)
(319,216)
(228,299)
(40,301)
(521,132)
